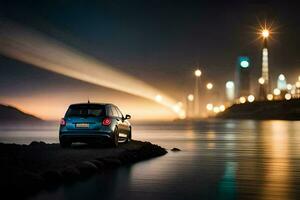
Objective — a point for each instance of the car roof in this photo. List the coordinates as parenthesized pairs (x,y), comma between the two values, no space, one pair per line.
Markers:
(93,104)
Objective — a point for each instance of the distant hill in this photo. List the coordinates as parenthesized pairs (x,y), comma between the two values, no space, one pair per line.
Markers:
(285,110)
(10,114)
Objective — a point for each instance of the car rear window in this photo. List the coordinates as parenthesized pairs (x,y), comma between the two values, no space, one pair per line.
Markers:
(86,110)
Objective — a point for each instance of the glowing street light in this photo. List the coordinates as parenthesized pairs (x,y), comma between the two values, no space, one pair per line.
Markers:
(287,96)
(209,86)
(216,109)
(270,97)
(276,91)
(281,77)
(243,100)
(289,86)
(222,108)
(198,72)
(265,33)
(209,106)
(190,97)
(261,80)
(251,98)
(196,95)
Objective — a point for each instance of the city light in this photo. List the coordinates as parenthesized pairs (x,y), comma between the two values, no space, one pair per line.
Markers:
(298,84)
(287,96)
(222,108)
(229,84)
(281,77)
(244,64)
(190,97)
(209,86)
(216,109)
(261,80)
(243,100)
(265,33)
(289,86)
(270,97)
(276,91)
(230,90)
(198,72)
(298,78)
(209,106)
(251,98)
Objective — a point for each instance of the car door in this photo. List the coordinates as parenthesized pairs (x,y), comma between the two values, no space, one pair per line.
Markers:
(118,118)
(125,123)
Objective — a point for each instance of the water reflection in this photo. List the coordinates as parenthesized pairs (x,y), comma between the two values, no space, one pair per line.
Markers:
(219,160)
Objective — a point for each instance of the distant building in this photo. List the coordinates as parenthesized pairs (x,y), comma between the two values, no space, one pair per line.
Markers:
(230,92)
(242,76)
(281,82)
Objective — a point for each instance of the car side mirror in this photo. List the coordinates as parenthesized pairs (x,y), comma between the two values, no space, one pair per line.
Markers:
(127,117)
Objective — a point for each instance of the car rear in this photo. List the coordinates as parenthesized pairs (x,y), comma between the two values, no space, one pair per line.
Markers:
(85,123)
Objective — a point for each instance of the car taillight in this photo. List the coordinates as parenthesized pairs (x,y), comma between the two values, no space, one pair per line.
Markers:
(106,122)
(62,122)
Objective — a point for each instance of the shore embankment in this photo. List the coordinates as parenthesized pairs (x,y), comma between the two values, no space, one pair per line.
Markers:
(27,169)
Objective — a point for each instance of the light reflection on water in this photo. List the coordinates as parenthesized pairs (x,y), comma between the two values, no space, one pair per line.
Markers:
(219,160)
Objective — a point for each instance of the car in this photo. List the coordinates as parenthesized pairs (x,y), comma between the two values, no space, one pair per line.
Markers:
(94,122)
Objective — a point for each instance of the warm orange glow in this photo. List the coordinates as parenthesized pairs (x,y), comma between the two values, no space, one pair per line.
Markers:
(198,72)
(261,80)
(209,86)
(265,33)
(33,47)
(242,100)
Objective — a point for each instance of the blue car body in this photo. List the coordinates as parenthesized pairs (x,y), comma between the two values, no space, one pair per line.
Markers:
(92,122)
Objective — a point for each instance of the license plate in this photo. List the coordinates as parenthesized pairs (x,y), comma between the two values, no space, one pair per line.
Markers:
(82,125)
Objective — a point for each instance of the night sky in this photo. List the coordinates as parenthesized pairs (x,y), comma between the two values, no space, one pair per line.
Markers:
(159,42)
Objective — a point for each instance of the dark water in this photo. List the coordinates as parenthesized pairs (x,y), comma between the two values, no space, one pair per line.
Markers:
(219,160)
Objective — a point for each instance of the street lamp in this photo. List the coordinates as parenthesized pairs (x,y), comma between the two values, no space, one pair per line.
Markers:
(270,97)
(196,95)
(261,80)
(198,72)
(251,98)
(190,97)
(264,87)
(209,106)
(265,33)
(209,86)
(276,91)
(189,105)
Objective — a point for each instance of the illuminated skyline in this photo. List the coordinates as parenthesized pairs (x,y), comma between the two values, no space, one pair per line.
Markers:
(160,49)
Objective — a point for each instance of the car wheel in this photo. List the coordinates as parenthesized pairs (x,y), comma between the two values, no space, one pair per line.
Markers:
(129,136)
(64,143)
(115,139)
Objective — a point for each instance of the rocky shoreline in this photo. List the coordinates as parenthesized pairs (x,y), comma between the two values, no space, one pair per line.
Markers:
(27,169)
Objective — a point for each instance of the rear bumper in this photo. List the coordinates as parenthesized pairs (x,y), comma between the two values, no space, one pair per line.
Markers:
(85,136)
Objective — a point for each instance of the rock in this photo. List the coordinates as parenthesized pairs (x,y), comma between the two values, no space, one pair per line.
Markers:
(99,164)
(110,162)
(175,149)
(70,174)
(86,169)
(35,143)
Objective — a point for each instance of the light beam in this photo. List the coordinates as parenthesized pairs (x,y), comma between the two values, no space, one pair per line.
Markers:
(34,48)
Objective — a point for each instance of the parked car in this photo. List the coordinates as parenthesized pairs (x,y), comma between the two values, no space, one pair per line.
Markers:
(94,122)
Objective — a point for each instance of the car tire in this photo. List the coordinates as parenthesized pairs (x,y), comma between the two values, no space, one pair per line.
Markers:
(115,138)
(64,143)
(129,136)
